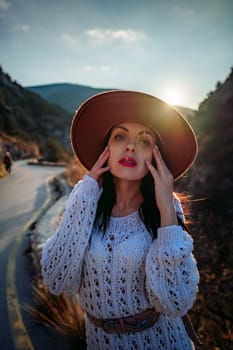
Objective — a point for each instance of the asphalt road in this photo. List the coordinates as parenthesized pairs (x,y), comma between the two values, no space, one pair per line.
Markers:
(21,195)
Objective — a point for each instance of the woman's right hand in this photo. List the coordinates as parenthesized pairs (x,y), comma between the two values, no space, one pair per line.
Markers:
(97,170)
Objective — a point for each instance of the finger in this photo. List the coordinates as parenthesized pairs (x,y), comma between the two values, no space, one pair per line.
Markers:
(98,174)
(152,169)
(103,154)
(103,157)
(103,170)
(106,150)
(161,165)
(163,170)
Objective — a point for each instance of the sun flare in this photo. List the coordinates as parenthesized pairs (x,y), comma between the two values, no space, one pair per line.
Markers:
(173,96)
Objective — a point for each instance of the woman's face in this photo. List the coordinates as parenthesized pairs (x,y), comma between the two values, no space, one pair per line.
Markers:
(130,145)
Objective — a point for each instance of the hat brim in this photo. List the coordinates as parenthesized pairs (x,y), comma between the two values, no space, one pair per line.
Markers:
(97,115)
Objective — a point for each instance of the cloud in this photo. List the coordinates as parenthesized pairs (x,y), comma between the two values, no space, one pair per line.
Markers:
(71,41)
(4,5)
(185,12)
(89,68)
(193,12)
(121,35)
(23,28)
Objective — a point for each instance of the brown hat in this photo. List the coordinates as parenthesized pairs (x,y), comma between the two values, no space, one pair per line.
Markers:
(101,112)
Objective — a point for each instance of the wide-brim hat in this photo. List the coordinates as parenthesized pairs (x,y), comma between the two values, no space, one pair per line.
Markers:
(97,115)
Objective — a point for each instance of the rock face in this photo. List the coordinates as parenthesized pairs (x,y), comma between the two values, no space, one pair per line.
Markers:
(210,181)
(30,119)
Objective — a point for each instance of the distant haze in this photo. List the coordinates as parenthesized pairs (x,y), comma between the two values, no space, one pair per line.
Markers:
(70,96)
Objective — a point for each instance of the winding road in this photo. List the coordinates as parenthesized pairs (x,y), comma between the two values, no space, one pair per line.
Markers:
(22,194)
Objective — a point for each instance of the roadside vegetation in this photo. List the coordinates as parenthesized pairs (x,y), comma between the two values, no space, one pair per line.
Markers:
(61,313)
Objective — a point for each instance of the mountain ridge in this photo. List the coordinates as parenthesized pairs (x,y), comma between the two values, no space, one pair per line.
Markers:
(70,95)
(67,95)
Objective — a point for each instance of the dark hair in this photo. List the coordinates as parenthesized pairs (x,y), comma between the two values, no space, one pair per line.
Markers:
(148,211)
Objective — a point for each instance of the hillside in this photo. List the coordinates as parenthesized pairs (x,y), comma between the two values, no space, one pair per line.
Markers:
(37,123)
(70,96)
(27,117)
(210,182)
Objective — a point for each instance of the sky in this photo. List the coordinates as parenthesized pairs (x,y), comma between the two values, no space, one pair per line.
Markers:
(176,50)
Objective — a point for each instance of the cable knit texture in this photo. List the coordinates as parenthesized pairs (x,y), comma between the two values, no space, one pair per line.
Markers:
(123,272)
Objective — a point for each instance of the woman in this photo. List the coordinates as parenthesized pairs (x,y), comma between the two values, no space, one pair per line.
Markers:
(121,244)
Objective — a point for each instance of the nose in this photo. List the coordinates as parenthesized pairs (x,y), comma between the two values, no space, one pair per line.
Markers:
(130,148)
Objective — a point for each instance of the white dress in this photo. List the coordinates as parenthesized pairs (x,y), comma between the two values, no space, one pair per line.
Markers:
(122,273)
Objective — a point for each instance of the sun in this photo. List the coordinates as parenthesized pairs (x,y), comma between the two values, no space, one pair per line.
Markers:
(173,96)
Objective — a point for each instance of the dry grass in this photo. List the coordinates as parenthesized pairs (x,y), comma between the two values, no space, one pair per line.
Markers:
(74,172)
(62,313)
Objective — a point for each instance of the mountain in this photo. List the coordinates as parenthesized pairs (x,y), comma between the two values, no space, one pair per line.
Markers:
(36,120)
(27,117)
(211,176)
(70,96)
(210,182)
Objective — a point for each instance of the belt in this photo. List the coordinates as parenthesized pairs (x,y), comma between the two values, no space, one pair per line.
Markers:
(140,322)
(129,324)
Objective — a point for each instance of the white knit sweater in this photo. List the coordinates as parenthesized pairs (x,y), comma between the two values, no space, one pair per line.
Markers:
(122,273)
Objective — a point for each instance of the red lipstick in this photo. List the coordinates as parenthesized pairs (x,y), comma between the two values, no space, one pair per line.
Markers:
(128,162)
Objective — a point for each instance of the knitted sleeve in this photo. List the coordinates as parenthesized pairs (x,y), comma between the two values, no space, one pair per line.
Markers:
(171,270)
(63,253)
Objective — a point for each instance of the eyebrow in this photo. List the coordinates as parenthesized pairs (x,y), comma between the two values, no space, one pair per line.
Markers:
(151,133)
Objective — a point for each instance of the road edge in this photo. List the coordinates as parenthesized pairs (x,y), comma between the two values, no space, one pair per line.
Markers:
(19,333)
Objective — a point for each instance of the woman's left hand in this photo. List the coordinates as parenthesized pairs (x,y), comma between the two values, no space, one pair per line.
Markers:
(163,182)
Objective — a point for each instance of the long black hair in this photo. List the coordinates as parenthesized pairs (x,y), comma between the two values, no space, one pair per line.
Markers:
(148,211)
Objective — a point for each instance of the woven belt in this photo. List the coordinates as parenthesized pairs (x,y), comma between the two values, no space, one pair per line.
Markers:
(139,322)
(129,324)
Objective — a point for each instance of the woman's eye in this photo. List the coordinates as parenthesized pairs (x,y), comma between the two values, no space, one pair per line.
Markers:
(145,142)
(119,137)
